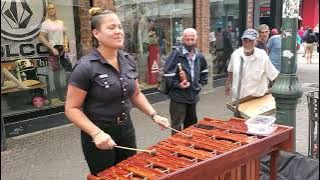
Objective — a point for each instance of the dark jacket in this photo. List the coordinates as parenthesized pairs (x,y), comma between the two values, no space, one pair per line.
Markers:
(310,38)
(171,73)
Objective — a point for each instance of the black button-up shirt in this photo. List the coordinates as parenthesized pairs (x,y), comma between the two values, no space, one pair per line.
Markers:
(108,90)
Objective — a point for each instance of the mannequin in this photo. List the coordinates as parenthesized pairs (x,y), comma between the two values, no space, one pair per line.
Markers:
(53,36)
(143,34)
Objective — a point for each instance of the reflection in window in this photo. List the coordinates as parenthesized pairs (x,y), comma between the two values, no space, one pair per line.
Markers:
(224,32)
(152,28)
(262,12)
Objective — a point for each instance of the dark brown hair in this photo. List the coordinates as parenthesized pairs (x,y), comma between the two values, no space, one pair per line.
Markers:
(96,16)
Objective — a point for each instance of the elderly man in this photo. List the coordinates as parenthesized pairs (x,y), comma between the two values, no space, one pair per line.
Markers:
(256,67)
(262,40)
(184,93)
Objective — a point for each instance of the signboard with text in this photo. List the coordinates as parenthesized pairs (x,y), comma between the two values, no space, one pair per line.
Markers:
(20,24)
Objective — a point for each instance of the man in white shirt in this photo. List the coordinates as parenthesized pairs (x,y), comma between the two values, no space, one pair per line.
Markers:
(257,68)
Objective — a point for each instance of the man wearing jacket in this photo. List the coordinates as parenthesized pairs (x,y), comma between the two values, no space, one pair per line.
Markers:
(185,95)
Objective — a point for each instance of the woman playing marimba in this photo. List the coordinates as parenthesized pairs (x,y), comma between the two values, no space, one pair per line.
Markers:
(101,89)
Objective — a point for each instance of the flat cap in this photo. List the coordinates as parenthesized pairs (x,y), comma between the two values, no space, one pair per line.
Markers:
(250,34)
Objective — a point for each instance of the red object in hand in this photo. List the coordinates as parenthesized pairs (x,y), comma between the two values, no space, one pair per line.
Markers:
(182,73)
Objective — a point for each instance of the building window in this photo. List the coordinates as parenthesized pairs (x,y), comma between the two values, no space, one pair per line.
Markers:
(152,28)
(30,79)
(262,12)
(224,33)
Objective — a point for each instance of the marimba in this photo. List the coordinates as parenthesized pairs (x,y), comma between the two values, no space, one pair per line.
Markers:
(217,150)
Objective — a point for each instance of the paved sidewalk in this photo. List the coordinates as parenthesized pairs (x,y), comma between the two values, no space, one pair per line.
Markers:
(55,154)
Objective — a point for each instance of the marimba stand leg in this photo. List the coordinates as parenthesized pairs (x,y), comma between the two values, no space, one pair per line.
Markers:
(273,164)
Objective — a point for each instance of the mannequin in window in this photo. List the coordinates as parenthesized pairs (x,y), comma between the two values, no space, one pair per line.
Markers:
(53,36)
(143,27)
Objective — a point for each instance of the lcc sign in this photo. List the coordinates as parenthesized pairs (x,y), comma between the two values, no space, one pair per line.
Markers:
(20,24)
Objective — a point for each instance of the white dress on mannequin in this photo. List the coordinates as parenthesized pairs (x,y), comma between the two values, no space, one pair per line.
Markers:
(142,32)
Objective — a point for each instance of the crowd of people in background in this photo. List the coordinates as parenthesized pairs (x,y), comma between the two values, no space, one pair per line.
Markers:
(254,66)
(308,38)
(222,46)
(270,41)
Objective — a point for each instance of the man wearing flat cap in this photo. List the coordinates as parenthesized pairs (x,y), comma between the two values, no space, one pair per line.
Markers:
(257,69)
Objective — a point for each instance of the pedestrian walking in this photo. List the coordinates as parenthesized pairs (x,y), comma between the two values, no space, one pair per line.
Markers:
(301,32)
(102,88)
(310,40)
(316,32)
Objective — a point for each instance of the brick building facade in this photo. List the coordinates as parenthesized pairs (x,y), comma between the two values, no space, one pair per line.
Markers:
(168,17)
(202,17)
(202,20)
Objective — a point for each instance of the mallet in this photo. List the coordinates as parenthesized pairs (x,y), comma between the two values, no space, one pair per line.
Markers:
(151,152)
(189,136)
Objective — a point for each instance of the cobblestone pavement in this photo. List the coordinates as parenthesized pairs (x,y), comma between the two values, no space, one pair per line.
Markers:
(55,153)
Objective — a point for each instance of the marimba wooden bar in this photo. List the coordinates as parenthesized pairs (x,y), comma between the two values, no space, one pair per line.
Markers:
(218,150)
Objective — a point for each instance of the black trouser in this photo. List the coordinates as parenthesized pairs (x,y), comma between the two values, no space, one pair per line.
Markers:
(182,113)
(99,160)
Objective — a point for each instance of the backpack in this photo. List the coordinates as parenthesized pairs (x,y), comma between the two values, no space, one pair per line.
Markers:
(163,86)
(310,38)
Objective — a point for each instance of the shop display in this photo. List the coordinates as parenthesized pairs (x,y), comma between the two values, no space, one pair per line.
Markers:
(9,81)
(30,77)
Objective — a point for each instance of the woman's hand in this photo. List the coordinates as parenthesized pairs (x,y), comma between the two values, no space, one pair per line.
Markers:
(162,121)
(103,141)
(55,51)
(184,84)
(66,49)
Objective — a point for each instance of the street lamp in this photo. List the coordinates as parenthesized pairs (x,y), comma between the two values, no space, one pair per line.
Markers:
(287,89)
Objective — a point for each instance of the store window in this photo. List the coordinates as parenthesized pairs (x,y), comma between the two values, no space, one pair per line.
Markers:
(262,12)
(31,77)
(152,28)
(224,33)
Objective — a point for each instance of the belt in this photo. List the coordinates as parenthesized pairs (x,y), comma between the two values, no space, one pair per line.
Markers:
(119,119)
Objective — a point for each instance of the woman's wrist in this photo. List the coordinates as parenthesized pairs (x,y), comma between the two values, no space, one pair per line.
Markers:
(96,134)
(152,115)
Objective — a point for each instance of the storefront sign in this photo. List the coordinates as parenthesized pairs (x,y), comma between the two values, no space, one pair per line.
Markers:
(21,20)
(26,50)
(20,24)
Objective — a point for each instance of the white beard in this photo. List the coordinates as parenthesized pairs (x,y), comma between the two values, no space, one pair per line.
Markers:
(247,50)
